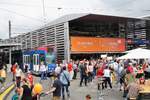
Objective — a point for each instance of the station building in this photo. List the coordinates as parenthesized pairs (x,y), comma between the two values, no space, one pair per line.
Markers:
(85,35)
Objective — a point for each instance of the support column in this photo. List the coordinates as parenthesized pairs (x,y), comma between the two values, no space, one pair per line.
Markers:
(67,42)
(10,55)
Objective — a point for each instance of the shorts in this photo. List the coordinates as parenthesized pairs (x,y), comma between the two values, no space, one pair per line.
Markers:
(100,80)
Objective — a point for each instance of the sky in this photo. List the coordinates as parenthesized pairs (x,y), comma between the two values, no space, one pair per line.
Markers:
(28,15)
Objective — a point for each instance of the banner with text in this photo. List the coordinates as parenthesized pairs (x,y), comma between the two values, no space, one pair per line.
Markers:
(93,44)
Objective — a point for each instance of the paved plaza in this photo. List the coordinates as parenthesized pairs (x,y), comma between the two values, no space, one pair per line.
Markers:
(79,93)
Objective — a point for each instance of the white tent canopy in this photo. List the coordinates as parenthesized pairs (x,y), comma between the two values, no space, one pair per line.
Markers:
(138,50)
(137,54)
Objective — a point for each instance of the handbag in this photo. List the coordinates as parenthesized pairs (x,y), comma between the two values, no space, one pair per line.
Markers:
(67,79)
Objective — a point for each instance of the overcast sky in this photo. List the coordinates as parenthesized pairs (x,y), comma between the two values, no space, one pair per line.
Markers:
(27,15)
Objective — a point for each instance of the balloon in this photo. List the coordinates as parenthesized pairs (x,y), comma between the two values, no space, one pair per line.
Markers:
(37,88)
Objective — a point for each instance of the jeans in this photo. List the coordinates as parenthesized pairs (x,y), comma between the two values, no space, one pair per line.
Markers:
(65,86)
(75,74)
(83,77)
(90,78)
(107,80)
(43,75)
(94,72)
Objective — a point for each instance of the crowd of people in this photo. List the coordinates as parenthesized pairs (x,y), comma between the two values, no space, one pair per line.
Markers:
(25,85)
(128,75)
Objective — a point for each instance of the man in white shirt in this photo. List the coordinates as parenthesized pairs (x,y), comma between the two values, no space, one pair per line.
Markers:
(43,71)
(75,69)
(107,75)
(18,76)
(58,70)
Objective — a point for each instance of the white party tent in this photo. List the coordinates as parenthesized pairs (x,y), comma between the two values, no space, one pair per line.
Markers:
(138,50)
(136,54)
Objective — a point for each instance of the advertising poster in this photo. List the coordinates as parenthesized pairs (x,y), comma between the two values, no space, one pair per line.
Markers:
(93,44)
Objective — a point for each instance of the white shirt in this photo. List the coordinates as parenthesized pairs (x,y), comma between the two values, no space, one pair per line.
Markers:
(115,64)
(75,66)
(90,68)
(107,73)
(120,69)
(57,70)
(18,72)
(42,68)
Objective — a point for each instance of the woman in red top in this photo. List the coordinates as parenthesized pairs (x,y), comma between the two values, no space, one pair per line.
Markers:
(130,68)
(70,70)
(70,67)
(13,70)
(100,79)
(100,72)
(30,80)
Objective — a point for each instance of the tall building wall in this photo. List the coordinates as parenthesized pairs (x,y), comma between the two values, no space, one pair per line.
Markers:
(48,35)
(136,33)
(57,35)
(148,32)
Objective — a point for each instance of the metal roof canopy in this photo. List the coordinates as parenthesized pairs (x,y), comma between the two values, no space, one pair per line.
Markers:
(100,18)
(92,17)
(8,45)
(86,17)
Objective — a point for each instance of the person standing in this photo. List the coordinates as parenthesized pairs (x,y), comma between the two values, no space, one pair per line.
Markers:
(13,70)
(64,78)
(5,67)
(56,89)
(70,69)
(58,70)
(2,77)
(26,68)
(133,90)
(129,78)
(90,71)
(121,74)
(43,71)
(75,68)
(25,91)
(107,76)
(83,72)
(30,80)
(100,78)
(18,76)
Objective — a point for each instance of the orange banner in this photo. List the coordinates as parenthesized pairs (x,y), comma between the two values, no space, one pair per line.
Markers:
(91,44)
